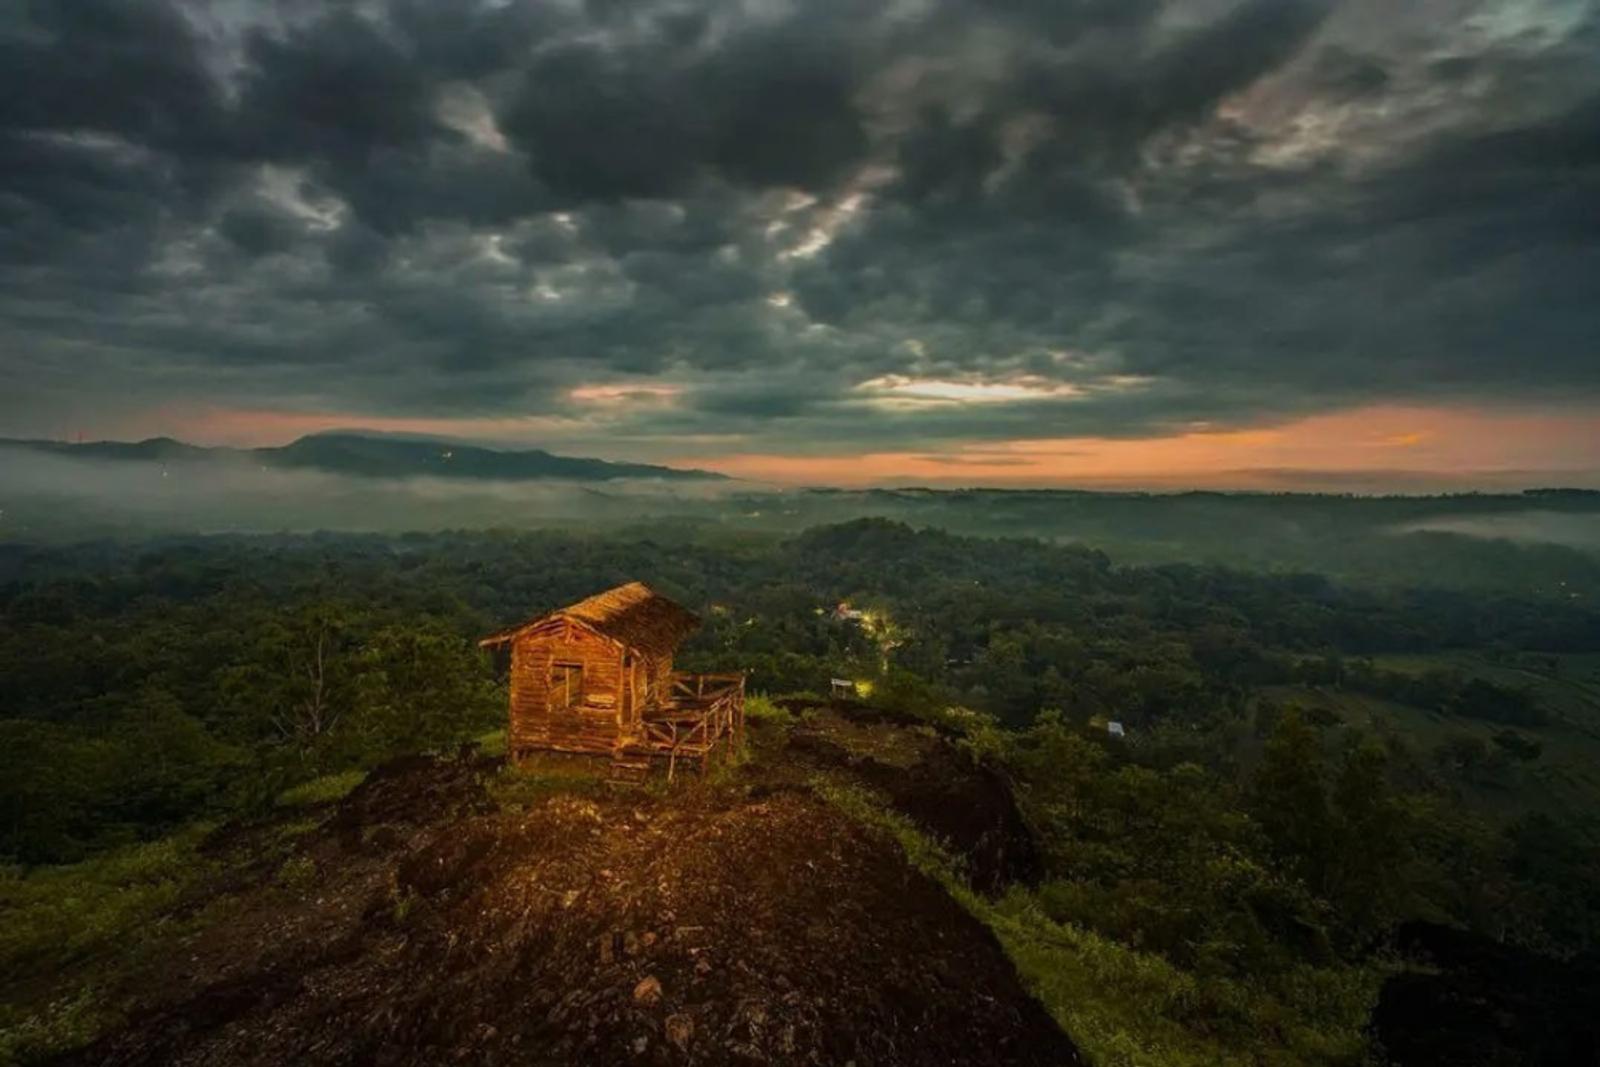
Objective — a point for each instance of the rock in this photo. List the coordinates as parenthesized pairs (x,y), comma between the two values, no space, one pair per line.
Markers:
(640,1044)
(384,838)
(630,943)
(680,1028)
(648,991)
(702,966)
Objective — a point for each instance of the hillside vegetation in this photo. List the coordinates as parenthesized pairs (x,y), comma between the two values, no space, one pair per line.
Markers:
(1305,768)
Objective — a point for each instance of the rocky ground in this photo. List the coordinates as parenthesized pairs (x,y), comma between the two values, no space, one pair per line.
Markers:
(921,774)
(437,915)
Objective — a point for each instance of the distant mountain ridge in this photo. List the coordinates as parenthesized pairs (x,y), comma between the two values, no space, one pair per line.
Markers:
(369,456)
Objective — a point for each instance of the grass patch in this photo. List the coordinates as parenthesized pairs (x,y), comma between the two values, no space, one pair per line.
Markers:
(492,743)
(759,708)
(69,1023)
(289,832)
(1563,779)
(61,917)
(518,786)
(1566,685)
(1126,1008)
(324,790)
(297,874)
(55,915)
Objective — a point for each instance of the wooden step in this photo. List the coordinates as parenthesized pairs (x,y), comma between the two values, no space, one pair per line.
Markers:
(628,771)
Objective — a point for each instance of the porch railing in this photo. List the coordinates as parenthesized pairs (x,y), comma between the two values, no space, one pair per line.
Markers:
(701,712)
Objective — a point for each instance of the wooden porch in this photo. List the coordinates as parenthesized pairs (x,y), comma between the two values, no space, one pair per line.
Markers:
(700,715)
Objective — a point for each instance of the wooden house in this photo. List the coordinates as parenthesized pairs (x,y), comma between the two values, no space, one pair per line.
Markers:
(596,677)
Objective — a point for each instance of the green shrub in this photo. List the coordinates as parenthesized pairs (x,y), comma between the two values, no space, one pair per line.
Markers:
(297,873)
(324,790)
(758,707)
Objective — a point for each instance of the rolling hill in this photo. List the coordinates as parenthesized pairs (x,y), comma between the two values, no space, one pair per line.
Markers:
(373,456)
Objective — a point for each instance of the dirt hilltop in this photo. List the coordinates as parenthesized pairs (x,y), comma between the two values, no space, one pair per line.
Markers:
(428,918)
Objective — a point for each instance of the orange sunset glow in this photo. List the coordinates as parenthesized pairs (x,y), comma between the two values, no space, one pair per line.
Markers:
(1357,449)
(1378,441)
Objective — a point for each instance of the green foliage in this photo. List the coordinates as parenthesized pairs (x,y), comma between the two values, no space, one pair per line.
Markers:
(402,903)
(758,707)
(67,1023)
(1164,861)
(55,915)
(1365,876)
(520,785)
(1469,697)
(67,791)
(298,692)
(901,691)
(492,742)
(1132,1009)
(297,873)
(1342,832)
(423,688)
(1290,799)
(324,790)
(1555,878)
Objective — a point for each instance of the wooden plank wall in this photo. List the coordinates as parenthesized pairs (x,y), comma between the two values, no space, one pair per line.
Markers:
(657,680)
(591,727)
(632,692)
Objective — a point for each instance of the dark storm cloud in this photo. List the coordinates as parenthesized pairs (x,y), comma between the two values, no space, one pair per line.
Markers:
(773,104)
(133,70)
(337,90)
(810,224)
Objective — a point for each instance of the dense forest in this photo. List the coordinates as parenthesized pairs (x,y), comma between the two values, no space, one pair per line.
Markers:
(1300,764)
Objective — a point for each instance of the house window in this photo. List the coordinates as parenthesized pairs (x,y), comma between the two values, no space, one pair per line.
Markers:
(566,685)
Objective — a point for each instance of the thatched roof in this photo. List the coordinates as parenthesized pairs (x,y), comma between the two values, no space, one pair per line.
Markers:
(633,615)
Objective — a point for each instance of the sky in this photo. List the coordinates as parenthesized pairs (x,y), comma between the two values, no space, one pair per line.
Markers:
(1222,243)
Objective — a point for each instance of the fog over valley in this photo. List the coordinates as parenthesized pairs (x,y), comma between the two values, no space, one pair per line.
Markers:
(807,533)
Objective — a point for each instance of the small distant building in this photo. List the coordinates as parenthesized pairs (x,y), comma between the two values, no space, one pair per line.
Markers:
(841,689)
(1115,729)
(596,677)
(845,613)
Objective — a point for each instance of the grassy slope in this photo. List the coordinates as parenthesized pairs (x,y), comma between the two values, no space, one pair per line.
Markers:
(1565,777)
(72,931)
(1127,1008)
